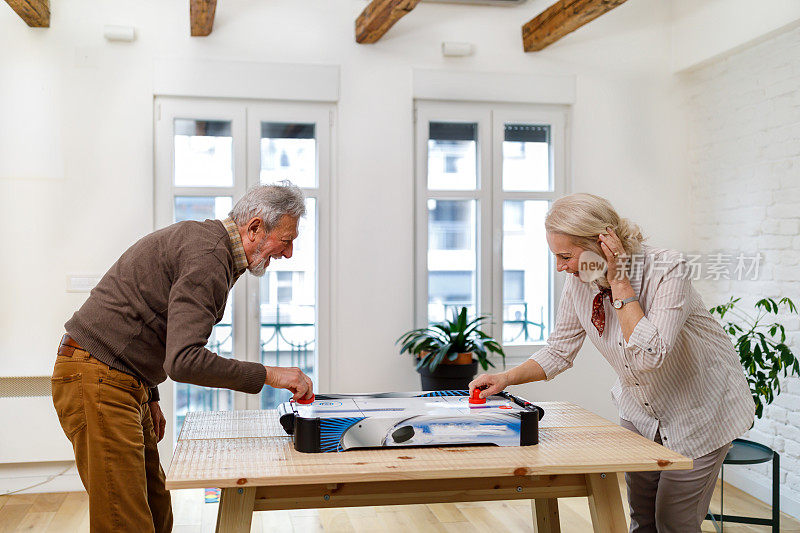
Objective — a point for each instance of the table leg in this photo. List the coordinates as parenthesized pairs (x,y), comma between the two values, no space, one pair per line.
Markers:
(236,510)
(545,515)
(605,503)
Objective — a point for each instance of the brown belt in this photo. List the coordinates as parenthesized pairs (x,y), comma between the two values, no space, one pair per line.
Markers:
(68,346)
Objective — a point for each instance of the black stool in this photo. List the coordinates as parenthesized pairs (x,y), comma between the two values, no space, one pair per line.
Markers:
(745,452)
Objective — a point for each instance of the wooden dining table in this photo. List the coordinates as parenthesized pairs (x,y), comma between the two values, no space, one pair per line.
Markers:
(252,459)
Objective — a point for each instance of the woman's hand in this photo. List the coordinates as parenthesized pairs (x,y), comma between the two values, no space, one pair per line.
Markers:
(490,383)
(615,256)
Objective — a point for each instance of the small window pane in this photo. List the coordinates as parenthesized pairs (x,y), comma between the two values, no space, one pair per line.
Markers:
(203,153)
(202,207)
(514,286)
(288,152)
(452,156)
(526,272)
(284,287)
(452,257)
(526,158)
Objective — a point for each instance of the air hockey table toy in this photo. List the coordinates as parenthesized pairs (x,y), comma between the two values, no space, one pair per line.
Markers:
(341,422)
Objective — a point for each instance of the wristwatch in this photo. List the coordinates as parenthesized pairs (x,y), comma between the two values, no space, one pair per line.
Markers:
(619,303)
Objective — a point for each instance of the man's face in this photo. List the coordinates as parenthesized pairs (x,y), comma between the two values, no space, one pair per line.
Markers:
(275,244)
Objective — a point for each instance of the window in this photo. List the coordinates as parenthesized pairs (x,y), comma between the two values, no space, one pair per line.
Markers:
(208,153)
(486,175)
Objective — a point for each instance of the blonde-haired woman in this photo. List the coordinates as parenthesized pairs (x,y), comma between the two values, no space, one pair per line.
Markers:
(679,382)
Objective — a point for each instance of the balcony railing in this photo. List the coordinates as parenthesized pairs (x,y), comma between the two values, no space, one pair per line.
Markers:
(284,342)
(518,326)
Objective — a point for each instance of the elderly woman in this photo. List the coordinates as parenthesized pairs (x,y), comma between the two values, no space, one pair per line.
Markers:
(679,380)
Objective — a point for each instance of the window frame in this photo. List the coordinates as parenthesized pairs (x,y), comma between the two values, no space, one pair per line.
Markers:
(490,119)
(246,117)
(323,116)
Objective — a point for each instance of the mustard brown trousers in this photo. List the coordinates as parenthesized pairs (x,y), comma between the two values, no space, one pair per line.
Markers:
(105,414)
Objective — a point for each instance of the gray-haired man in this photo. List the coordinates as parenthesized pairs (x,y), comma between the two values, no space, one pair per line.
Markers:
(150,317)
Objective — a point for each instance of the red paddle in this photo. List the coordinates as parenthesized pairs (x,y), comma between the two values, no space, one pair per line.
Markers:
(475,398)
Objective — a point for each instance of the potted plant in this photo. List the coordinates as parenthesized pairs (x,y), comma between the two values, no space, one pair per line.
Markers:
(760,342)
(449,352)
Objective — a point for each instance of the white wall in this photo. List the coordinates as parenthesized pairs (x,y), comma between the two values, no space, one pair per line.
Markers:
(743,141)
(704,30)
(76,151)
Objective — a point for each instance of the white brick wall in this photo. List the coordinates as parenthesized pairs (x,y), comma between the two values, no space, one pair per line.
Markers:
(743,136)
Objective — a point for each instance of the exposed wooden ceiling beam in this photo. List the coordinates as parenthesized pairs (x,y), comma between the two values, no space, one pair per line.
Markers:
(379,16)
(201,13)
(563,17)
(35,13)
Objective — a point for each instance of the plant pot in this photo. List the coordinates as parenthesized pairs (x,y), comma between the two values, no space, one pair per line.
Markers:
(464,358)
(448,376)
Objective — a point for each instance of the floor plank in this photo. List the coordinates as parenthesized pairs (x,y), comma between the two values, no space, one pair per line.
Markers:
(13,513)
(447,512)
(50,502)
(59,512)
(35,521)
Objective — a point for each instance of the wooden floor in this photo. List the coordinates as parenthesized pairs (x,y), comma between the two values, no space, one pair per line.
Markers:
(68,512)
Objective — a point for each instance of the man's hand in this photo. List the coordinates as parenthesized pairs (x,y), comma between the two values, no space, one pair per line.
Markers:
(159,422)
(490,383)
(292,379)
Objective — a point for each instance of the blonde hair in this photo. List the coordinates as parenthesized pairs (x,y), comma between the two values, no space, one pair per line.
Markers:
(583,217)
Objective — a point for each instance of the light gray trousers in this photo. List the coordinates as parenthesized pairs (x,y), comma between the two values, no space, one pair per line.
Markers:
(674,501)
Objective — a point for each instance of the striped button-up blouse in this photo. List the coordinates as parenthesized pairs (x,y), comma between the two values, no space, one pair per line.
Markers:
(678,373)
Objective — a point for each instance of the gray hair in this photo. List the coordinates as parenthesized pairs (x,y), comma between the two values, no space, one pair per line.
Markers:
(270,203)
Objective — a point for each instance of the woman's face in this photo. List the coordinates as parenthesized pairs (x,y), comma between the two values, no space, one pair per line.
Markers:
(567,253)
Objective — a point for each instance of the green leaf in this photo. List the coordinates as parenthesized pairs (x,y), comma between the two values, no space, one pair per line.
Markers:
(757,356)
(787,301)
(423,361)
(437,357)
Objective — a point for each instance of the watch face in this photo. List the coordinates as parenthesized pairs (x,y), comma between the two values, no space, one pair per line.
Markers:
(617,304)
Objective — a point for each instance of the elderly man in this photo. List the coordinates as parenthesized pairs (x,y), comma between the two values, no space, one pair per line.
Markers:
(148,318)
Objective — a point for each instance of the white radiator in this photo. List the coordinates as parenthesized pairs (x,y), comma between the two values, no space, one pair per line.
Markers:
(29,428)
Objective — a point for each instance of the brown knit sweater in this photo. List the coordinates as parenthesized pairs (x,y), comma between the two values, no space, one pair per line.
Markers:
(153,311)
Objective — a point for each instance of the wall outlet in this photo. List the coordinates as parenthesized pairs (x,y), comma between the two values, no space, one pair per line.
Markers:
(81,282)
